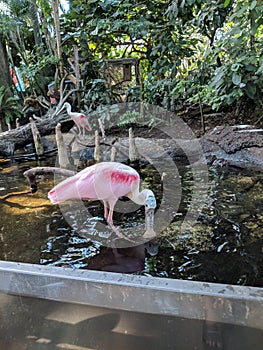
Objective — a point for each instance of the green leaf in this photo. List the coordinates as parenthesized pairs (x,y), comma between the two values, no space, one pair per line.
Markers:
(2,95)
(250,68)
(95,31)
(239,13)
(236,78)
(254,28)
(226,3)
(235,67)
(251,90)
(253,5)
(260,69)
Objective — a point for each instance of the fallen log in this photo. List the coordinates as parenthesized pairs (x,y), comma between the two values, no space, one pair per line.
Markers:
(17,138)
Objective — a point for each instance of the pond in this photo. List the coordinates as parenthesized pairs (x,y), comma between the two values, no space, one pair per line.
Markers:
(224,246)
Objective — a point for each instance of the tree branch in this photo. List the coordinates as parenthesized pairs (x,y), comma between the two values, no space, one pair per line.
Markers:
(32,173)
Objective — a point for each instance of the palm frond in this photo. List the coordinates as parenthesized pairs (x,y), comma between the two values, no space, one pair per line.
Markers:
(2,95)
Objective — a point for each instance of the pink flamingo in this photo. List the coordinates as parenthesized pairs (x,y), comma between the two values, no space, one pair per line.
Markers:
(107,181)
(79,119)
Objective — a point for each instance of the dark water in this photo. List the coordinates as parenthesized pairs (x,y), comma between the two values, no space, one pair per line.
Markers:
(225,245)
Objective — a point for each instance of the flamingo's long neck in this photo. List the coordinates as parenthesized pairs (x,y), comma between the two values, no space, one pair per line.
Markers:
(68,108)
(138,197)
(141,199)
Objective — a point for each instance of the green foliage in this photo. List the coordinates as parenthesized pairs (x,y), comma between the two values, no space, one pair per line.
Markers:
(9,107)
(132,117)
(235,81)
(97,94)
(239,75)
(190,51)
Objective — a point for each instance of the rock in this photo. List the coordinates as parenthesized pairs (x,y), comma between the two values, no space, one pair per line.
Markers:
(235,146)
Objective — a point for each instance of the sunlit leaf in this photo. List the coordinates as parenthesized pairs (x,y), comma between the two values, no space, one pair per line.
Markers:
(236,78)
(253,4)
(235,67)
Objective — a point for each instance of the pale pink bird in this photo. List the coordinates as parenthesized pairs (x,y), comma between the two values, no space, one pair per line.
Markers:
(79,119)
(107,181)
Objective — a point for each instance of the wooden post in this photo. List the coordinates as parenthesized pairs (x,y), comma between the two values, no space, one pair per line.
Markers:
(102,129)
(201,113)
(37,138)
(63,157)
(97,153)
(133,151)
(113,154)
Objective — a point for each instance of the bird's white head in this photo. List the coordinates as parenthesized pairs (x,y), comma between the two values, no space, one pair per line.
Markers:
(67,106)
(150,202)
(150,205)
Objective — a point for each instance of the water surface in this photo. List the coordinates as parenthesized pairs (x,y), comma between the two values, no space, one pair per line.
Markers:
(224,246)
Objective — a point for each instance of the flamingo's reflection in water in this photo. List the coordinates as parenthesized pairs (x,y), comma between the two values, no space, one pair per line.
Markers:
(125,260)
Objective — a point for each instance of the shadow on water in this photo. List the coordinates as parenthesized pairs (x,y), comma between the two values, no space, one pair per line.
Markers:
(224,246)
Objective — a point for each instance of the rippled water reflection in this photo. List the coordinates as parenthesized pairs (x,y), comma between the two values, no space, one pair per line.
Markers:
(225,245)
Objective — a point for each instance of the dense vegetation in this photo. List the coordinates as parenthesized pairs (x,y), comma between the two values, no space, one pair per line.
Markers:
(190,52)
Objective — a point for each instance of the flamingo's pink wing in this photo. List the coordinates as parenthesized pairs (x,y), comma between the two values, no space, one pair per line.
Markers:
(72,188)
(65,190)
(84,122)
(104,181)
(107,181)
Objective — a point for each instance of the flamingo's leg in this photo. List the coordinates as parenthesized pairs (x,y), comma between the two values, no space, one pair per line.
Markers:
(118,233)
(108,215)
(110,219)
(106,212)
(79,129)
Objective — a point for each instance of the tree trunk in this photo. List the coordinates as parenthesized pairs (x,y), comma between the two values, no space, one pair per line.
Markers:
(5,77)
(58,38)
(36,27)
(77,72)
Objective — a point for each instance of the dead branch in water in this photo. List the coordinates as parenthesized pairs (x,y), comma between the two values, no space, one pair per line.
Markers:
(32,173)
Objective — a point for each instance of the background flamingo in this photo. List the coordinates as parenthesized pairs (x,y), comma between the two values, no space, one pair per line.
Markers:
(107,181)
(79,119)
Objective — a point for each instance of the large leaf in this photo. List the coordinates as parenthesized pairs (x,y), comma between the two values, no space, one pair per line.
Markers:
(2,95)
(251,90)
(236,78)
(235,67)
(253,4)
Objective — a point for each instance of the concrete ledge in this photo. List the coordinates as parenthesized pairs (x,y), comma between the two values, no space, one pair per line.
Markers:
(194,300)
